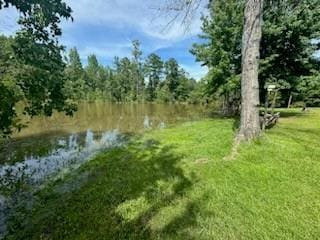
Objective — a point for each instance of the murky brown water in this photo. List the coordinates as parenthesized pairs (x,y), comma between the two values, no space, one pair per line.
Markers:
(43,134)
(50,145)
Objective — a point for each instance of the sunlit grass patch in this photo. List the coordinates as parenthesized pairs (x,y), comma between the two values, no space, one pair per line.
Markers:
(175,184)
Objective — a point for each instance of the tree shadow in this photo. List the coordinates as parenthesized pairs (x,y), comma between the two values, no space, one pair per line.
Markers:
(236,124)
(289,114)
(129,192)
(302,137)
(315,132)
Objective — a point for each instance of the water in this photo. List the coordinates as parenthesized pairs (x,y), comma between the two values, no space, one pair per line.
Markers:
(47,134)
(19,181)
(35,170)
(146,122)
(51,145)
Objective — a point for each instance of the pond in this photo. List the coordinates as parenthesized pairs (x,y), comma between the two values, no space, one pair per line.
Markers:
(52,146)
(46,134)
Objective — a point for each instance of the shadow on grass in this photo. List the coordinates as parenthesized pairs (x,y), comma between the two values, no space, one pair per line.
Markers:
(288,113)
(283,114)
(302,137)
(131,192)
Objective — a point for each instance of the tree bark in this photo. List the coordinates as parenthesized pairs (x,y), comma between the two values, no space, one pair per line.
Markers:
(274,101)
(289,101)
(250,122)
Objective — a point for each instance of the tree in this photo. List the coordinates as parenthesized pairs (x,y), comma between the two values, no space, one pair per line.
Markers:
(177,86)
(287,46)
(124,80)
(163,94)
(92,72)
(172,75)
(154,70)
(75,86)
(250,121)
(185,87)
(36,62)
(75,63)
(103,83)
(250,125)
(52,10)
(115,87)
(221,52)
(137,73)
(309,90)
(10,91)
(199,93)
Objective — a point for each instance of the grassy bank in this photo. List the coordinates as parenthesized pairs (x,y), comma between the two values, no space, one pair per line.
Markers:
(178,184)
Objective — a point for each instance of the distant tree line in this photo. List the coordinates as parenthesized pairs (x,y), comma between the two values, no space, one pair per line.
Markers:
(34,72)
(131,79)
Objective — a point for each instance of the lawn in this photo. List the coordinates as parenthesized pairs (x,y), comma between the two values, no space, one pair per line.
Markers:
(180,183)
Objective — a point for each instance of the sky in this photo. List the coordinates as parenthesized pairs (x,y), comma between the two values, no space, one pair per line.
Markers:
(107,27)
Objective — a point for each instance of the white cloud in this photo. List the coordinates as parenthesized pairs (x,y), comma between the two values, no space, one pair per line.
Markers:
(107,50)
(139,14)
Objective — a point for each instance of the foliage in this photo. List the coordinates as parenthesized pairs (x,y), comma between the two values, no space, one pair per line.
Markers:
(10,92)
(137,72)
(199,93)
(221,51)
(75,86)
(40,17)
(32,63)
(129,80)
(163,94)
(309,90)
(172,75)
(31,73)
(154,73)
(287,47)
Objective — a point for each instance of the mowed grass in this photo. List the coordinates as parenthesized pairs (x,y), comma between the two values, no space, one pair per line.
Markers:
(180,183)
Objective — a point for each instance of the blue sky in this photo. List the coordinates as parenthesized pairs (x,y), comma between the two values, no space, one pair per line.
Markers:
(107,27)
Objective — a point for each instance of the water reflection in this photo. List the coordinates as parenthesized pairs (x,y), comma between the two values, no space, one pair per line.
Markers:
(146,122)
(35,170)
(19,181)
(50,145)
(45,134)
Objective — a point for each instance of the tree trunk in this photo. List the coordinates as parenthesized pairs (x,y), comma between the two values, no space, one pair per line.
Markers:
(250,123)
(274,101)
(289,101)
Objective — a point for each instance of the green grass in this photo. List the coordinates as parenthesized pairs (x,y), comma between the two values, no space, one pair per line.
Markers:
(178,184)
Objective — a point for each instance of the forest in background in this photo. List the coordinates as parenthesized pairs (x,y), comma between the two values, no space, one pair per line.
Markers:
(35,70)
(130,79)
(193,180)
